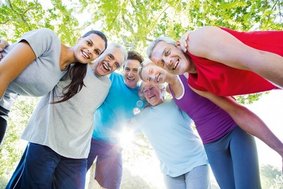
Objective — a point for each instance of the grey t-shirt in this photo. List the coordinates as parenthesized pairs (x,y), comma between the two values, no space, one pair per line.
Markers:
(43,73)
(67,127)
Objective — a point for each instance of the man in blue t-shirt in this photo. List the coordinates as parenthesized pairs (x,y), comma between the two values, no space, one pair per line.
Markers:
(119,106)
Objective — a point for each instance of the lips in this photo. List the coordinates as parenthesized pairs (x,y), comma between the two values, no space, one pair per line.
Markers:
(130,79)
(157,78)
(176,64)
(151,97)
(85,55)
(106,66)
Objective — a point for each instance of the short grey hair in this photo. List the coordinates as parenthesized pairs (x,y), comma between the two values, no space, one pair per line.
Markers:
(121,48)
(109,48)
(153,44)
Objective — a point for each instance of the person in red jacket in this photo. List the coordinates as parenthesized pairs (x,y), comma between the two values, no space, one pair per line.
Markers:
(223,61)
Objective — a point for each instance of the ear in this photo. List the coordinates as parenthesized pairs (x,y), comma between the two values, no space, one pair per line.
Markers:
(178,44)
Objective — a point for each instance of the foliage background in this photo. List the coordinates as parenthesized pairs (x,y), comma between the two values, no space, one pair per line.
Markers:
(133,23)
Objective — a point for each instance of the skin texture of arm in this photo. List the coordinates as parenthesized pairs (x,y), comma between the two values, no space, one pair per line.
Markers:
(226,49)
(14,63)
(175,84)
(247,120)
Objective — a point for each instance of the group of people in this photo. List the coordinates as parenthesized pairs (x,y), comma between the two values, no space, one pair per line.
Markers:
(82,109)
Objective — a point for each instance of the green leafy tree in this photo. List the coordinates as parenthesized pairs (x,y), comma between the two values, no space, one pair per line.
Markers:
(133,23)
(20,16)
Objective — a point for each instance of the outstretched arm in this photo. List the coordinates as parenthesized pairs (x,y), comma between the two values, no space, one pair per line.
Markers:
(247,120)
(14,63)
(218,45)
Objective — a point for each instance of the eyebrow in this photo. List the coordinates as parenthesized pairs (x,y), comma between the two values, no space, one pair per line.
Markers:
(163,52)
(111,56)
(90,41)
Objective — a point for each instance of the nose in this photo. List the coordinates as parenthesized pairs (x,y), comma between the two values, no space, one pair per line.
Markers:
(167,62)
(131,73)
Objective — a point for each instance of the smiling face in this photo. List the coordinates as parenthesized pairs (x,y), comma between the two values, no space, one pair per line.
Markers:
(170,57)
(153,73)
(109,61)
(152,93)
(131,75)
(89,48)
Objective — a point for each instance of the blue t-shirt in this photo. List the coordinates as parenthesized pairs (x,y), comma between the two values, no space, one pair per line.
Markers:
(119,106)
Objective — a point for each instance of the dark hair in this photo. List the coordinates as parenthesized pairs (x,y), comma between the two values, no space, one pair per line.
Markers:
(140,71)
(77,72)
(133,55)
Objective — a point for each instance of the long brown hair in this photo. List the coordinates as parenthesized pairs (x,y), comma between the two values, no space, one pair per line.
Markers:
(77,72)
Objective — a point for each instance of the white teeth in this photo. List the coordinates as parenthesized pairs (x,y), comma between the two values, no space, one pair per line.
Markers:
(157,78)
(85,55)
(176,64)
(106,67)
(131,79)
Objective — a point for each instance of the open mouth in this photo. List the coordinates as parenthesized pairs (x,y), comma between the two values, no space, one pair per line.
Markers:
(131,78)
(85,55)
(151,97)
(176,64)
(157,78)
(106,66)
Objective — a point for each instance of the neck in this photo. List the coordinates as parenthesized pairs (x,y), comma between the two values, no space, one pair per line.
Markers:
(66,57)
(171,79)
(191,67)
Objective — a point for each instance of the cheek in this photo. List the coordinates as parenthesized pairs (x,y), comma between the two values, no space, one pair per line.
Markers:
(95,56)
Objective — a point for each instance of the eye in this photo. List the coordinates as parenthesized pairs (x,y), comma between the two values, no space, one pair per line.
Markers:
(117,65)
(97,51)
(167,52)
(88,43)
(111,56)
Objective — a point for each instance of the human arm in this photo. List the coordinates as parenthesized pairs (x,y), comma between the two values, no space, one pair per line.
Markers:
(218,45)
(247,120)
(14,63)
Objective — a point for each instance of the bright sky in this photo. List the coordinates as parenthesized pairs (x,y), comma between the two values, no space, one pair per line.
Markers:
(269,109)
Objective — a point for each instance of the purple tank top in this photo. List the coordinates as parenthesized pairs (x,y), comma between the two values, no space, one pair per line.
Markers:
(212,122)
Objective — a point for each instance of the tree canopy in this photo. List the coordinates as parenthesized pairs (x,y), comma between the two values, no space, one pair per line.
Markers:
(132,23)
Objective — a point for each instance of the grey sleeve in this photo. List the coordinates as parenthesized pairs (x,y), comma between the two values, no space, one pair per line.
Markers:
(41,40)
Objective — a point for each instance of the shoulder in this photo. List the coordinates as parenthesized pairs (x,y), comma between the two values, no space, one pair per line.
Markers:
(115,75)
(47,32)
(42,32)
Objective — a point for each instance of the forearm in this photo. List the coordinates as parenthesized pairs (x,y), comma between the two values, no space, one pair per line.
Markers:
(252,124)
(247,120)
(270,67)
(175,85)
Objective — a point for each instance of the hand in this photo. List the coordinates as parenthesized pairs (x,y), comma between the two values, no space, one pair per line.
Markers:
(3,45)
(205,94)
(183,42)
